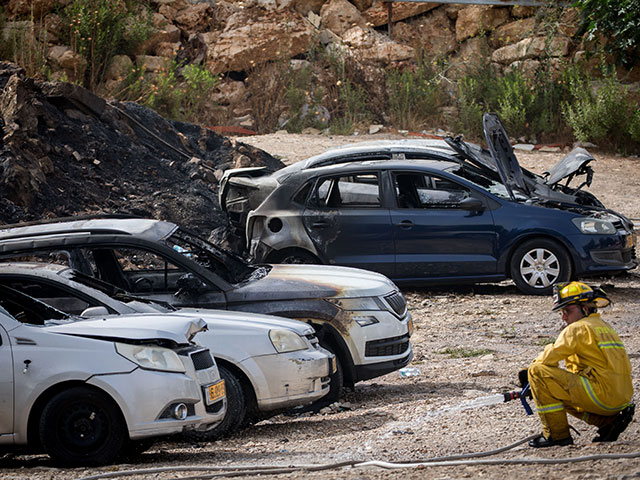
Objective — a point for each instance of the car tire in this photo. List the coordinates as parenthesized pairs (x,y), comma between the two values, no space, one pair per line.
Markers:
(135,448)
(538,264)
(293,256)
(234,418)
(82,426)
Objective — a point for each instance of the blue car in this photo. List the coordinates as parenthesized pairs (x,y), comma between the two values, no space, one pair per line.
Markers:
(432,212)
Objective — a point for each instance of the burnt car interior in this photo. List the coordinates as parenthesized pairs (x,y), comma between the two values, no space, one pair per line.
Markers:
(27,309)
(416,190)
(52,295)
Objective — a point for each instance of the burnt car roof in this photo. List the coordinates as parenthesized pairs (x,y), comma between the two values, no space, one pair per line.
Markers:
(144,228)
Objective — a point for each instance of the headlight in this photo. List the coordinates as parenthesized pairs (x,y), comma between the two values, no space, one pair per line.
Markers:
(286,341)
(151,358)
(365,320)
(358,304)
(594,226)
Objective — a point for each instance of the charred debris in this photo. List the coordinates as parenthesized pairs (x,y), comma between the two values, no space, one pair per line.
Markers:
(65,151)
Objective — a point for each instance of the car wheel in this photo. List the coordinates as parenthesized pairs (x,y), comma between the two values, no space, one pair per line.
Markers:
(292,256)
(82,426)
(236,410)
(538,264)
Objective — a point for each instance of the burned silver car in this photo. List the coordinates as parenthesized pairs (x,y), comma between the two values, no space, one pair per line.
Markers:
(433,212)
(90,392)
(268,363)
(358,315)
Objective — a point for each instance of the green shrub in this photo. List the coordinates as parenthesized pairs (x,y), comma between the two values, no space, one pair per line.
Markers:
(414,94)
(514,103)
(634,124)
(22,47)
(179,94)
(100,29)
(599,110)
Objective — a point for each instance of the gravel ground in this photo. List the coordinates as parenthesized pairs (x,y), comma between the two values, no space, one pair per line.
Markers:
(438,412)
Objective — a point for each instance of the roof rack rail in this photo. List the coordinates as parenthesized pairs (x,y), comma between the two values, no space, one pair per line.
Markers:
(95,216)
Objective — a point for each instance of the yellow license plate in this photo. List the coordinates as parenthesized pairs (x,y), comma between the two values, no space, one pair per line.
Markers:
(332,365)
(215,392)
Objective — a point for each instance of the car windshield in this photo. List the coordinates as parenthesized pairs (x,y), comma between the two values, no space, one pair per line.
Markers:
(483,182)
(227,265)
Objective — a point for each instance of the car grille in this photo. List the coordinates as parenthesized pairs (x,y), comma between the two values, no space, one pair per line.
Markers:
(387,346)
(397,302)
(313,340)
(202,359)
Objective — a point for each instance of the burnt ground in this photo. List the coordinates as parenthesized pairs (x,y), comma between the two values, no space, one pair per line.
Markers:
(495,331)
(65,151)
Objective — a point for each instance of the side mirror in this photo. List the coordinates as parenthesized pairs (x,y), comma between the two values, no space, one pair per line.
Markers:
(189,283)
(471,203)
(95,312)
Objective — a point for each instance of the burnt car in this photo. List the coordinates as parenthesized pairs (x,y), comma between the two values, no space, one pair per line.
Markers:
(268,364)
(359,316)
(432,212)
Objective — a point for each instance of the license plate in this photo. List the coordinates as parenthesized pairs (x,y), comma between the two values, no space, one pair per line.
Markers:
(214,392)
(332,365)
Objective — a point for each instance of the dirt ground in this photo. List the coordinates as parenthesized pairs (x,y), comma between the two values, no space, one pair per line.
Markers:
(496,332)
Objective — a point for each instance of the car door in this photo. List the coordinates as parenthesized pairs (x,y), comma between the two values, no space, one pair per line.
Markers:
(6,380)
(437,231)
(151,275)
(348,224)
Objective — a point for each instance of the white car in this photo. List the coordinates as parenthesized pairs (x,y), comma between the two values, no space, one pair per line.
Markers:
(90,392)
(268,363)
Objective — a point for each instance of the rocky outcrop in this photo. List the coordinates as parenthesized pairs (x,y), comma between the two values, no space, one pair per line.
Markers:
(244,44)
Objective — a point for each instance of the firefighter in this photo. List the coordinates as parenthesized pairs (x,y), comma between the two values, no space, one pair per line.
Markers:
(596,385)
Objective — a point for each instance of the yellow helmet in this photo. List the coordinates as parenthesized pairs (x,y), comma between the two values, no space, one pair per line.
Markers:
(578,293)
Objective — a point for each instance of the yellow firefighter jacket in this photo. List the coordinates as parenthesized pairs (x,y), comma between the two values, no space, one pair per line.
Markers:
(591,348)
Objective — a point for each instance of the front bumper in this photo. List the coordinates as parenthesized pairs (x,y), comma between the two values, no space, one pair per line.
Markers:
(601,254)
(144,397)
(286,380)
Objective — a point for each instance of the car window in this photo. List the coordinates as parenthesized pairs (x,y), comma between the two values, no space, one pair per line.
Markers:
(355,190)
(54,296)
(140,270)
(27,309)
(417,190)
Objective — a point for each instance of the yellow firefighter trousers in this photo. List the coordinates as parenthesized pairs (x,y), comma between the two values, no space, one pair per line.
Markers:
(558,392)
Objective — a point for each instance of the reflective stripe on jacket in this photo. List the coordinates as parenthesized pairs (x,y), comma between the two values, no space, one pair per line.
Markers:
(590,347)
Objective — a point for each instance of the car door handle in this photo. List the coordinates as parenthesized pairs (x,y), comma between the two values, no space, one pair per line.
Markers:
(320,224)
(405,224)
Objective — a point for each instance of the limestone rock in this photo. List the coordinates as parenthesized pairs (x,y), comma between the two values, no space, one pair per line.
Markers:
(434,33)
(531,48)
(303,7)
(479,18)
(229,92)
(119,68)
(340,15)
(63,58)
(362,5)
(195,18)
(375,47)
(253,43)
(151,63)
(378,14)
(512,32)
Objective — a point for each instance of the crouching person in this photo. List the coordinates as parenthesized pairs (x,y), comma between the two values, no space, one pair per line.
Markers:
(596,385)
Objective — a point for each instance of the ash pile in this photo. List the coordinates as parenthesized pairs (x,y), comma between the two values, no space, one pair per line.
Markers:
(65,151)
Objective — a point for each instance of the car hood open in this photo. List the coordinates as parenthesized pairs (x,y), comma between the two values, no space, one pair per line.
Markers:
(180,329)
